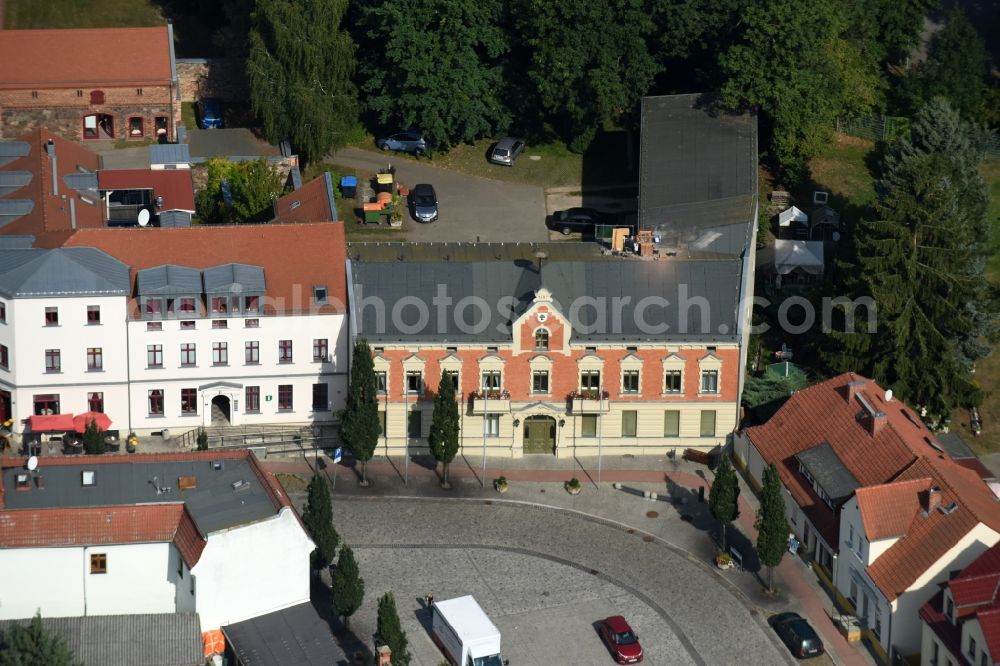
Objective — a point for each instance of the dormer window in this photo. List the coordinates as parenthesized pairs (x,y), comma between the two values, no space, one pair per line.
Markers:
(949,608)
(541,339)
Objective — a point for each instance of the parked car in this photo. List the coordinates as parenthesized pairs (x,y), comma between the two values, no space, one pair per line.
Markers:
(795,632)
(620,640)
(578,220)
(506,151)
(424,203)
(209,112)
(410,141)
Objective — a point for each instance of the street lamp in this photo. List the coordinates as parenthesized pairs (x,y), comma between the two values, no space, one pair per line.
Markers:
(541,255)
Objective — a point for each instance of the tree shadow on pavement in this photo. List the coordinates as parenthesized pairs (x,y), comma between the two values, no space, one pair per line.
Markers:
(321,600)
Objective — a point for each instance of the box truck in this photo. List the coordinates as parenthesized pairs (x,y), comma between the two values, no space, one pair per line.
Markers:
(465,634)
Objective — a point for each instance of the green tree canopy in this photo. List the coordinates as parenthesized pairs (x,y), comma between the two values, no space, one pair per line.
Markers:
(436,65)
(252,187)
(33,645)
(359,427)
(723,497)
(587,62)
(299,69)
(443,437)
(318,519)
(923,263)
(796,64)
(772,524)
(346,585)
(390,632)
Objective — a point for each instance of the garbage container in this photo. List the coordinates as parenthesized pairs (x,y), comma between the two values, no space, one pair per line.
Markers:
(349,186)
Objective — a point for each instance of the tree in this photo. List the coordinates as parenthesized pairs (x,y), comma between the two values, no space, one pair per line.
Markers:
(347,586)
(795,64)
(238,192)
(772,524)
(359,426)
(202,440)
(723,498)
(955,69)
(587,62)
(33,645)
(93,439)
(390,631)
(759,391)
(923,262)
(318,519)
(443,437)
(299,69)
(437,67)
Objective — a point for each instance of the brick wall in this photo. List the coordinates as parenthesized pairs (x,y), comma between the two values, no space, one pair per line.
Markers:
(211,77)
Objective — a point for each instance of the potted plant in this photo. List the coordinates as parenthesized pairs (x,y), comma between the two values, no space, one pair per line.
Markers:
(724,561)
(573,486)
(500,484)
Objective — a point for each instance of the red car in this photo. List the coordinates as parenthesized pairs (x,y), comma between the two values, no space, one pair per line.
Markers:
(620,640)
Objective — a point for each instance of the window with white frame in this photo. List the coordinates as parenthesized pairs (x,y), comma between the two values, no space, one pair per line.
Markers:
(189,354)
(491,380)
(220,353)
(382,381)
(671,423)
(95,359)
(630,381)
(155,402)
(540,381)
(414,381)
(453,376)
(708,423)
(590,380)
(709,381)
(154,356)
(672,381)
(251,352)
(541,339)
(588,425)
(491,425)
(53,360)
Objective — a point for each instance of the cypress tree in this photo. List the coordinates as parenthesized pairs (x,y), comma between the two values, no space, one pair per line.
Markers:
(359,426)
(390,631)
(318,519)
(723,496)
(443,437)
(347,586)
(93,442)
(772,524)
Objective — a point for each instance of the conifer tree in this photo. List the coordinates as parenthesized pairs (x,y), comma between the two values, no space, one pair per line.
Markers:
(359,427)
(93,441)
(32,644)
(772,524)
(723,497)
(318,519)
(347,586)
(390,631)
(443,437)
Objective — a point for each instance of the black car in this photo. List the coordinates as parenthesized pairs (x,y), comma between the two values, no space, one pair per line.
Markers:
(795,632)
(577,220)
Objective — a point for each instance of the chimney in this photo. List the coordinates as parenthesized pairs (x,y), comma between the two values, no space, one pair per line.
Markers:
(384,655)
(932,499)
(853,388)
(878,422)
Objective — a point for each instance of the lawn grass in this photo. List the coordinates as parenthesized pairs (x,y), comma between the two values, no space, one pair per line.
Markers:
(347,208)
(842,169)
(188,118)
(81,14)
(991,172)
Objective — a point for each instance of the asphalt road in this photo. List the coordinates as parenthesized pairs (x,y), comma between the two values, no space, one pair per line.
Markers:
(471,208)
(545,576)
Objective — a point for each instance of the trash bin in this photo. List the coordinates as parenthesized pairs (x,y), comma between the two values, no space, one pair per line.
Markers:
(349,186)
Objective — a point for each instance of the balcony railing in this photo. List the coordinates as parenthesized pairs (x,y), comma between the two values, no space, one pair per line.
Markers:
(589,402)
(491,402)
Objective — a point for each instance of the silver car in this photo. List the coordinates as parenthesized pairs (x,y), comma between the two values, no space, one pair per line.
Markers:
(424,202)
(405,142)
(506,151)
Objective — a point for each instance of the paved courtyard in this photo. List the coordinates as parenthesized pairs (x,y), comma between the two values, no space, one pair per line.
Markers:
(545,576)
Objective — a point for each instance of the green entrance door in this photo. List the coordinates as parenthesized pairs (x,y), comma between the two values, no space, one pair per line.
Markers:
(540,434)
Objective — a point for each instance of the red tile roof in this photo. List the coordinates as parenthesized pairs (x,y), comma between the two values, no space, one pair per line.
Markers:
(174,185)
(295,257)
(989,621)
(99,526)
(823,413)
(887,510)
(977,466)
(929,537)
(51,221)
(974,588)
(313,202)
(92,57)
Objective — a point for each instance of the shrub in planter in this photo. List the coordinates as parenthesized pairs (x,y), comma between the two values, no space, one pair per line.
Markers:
(573,486)
(500,484)
(723,560)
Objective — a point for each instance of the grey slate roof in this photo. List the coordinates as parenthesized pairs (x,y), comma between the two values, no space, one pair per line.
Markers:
(175,218)
(234,279)
(12,209)
(698,172)
(128,640)
(11,181)
(169,153)
(505,287)
(61,272)
(12,150)
(955,446)
(829,472)
(17,242)
(168,280)
(85,183)
(214,504)
(295,636)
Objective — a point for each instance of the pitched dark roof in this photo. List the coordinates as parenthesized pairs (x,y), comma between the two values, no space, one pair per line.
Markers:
(167,639)
(830,473)
(295,636)
(61,272)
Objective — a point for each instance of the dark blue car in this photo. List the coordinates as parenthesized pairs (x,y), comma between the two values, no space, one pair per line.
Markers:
(209,113)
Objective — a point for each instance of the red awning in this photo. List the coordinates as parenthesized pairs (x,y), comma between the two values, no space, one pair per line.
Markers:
(80,421)
(53,423)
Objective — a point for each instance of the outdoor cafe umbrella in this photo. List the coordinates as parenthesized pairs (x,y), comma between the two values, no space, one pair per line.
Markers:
(80,421)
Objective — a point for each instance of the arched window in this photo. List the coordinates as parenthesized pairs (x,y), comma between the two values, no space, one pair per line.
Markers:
(541,339)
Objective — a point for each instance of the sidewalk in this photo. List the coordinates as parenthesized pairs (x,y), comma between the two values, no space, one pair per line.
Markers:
(537,480)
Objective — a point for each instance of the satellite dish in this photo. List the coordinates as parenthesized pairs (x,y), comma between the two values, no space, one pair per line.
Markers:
(143,217)
(888,395)
(836,236)
(32,463)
